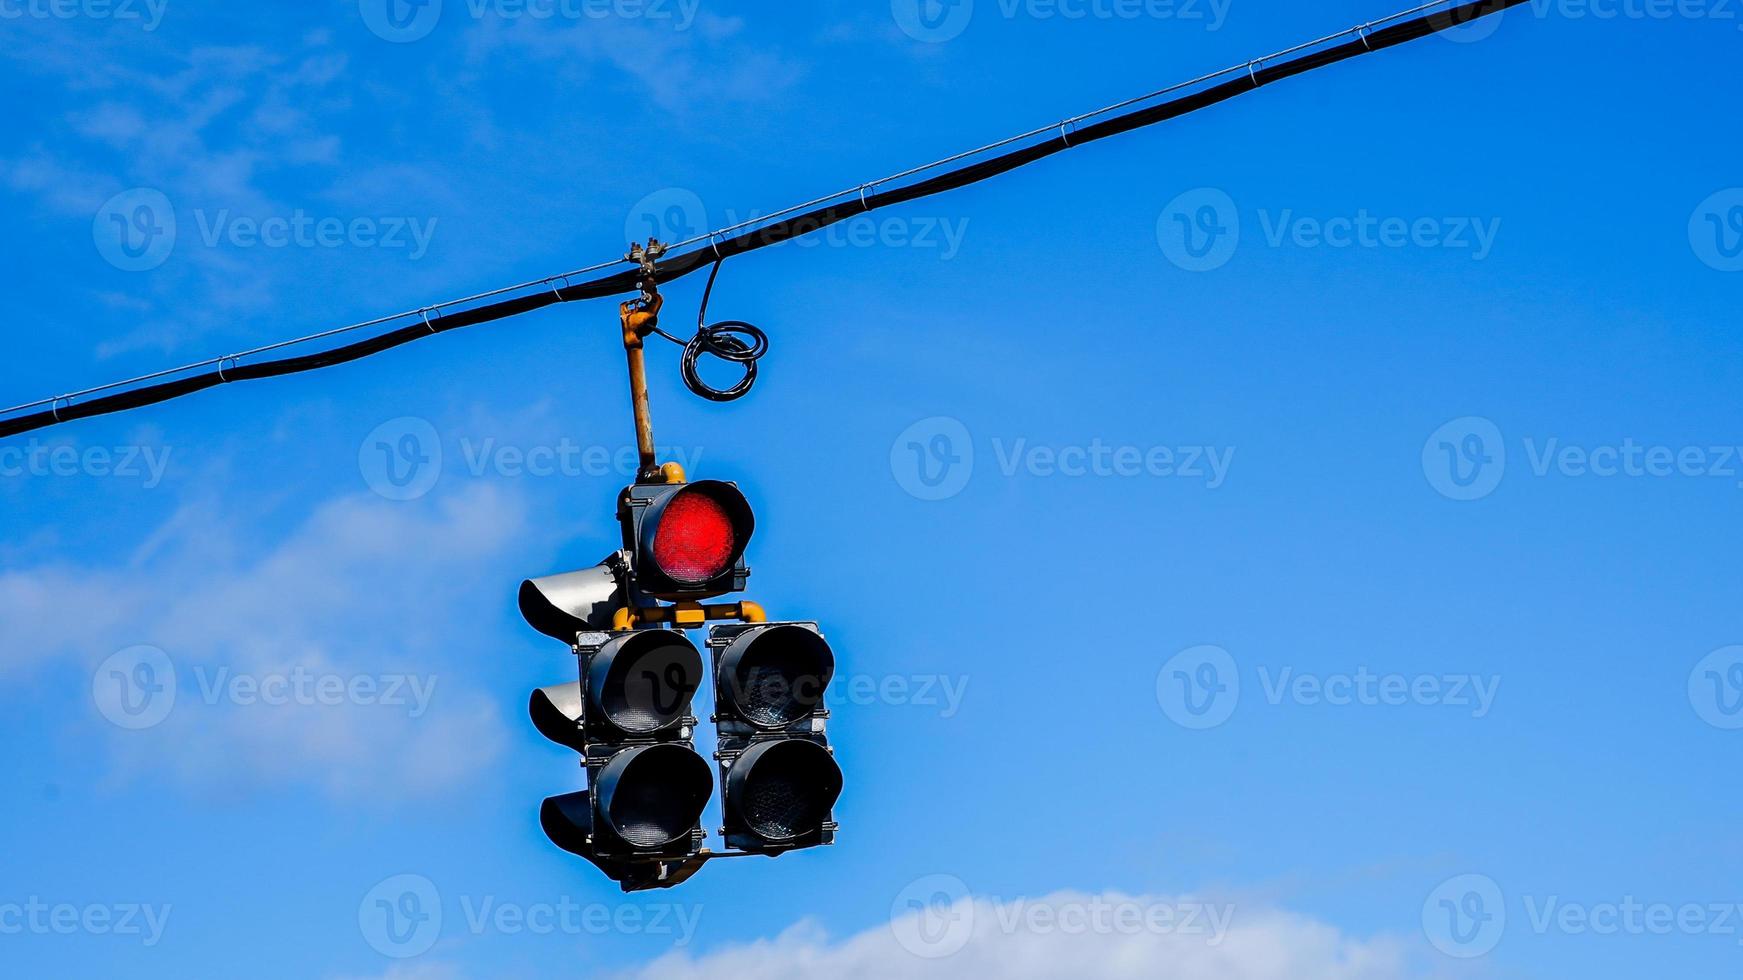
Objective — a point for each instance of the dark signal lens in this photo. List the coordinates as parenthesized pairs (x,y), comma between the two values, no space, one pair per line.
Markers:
(696,540)
(775,675)
(653,795)
(784,789)
(642,682)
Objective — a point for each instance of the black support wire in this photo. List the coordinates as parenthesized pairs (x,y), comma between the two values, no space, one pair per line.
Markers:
(782,226)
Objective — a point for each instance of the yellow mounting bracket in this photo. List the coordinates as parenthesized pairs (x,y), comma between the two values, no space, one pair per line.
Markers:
(686,615)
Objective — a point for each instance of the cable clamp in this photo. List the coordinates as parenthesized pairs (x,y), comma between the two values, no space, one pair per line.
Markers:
(1362,32)
(54,407)
(862,201)
(714,240)
(223,361)
(425,313)
(1065,134)
(1252,73)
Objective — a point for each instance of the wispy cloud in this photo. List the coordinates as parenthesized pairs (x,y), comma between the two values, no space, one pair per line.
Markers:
(359,589)
(702,68)
(1033,938)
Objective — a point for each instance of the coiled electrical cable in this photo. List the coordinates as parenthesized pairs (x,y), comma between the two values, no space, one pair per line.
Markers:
(730,340)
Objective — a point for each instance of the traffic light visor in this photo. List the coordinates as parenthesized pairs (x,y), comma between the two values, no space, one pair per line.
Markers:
(775,675)
(642,683)
(654,795)
(784,789)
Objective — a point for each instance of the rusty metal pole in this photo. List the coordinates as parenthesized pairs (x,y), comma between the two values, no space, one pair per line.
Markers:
(639,319)
(638,393)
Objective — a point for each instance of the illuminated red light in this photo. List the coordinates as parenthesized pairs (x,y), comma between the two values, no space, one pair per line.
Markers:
(696,540)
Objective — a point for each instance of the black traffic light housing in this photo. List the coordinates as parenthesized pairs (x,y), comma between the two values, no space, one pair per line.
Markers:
(630,712)
(778,775)
(686,541)
(630,716)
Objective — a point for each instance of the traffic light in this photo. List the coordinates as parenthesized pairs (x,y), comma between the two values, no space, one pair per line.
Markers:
(630,716)
(778,775)
(686,541)
(630,712)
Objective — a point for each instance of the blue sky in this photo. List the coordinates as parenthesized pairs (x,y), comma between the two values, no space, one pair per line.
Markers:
(1317,561)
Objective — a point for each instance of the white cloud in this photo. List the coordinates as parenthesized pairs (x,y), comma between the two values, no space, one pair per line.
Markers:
(681,71)
(364,588)
(1021,939)
(417,971)
(212,127)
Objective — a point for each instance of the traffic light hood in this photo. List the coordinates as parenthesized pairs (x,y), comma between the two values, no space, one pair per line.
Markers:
(561,606)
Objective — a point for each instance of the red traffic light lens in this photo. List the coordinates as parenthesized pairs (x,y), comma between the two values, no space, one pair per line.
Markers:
(696,540)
